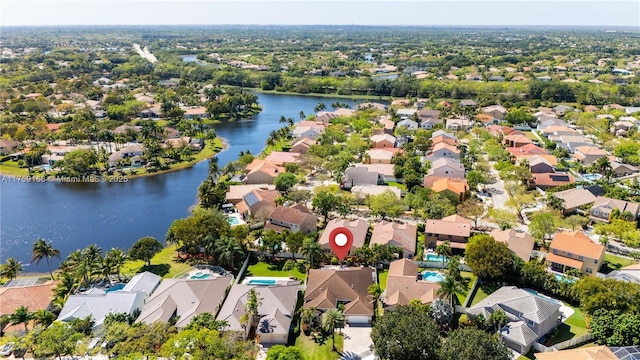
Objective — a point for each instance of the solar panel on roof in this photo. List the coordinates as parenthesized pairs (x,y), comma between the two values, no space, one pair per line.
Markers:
(251,199)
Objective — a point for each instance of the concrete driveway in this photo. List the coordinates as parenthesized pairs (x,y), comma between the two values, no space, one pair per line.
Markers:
(357,340)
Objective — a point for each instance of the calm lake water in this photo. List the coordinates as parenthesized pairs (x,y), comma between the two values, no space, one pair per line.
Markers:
(117,214)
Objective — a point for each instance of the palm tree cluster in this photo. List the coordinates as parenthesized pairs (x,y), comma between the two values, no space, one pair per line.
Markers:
(84,267)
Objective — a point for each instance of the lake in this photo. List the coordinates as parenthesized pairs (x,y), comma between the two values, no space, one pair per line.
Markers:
(74,215)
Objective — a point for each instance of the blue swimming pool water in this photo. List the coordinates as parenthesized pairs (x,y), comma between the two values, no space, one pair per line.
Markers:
(592,177)
(261,282)
(435,258)
(432,276)
(562,278)
(233,220)
(200,276)
(115,287)
(46,167)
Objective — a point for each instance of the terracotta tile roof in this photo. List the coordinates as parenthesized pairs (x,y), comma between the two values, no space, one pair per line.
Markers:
(553,258)
(520,243)
(552,179)
(588,353)
(326,286)
(622,205)
(293,214)
(457,186)
(591,150)
(576,242)
(282,157)
(403,267)
(518,138)
(265,166)
(444,145)
(235,193)
(358,227)
(443,139)
(34,297)
(550,159)
(395,234)
(451,225)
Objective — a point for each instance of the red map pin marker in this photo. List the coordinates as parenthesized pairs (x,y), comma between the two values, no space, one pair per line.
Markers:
(340,240)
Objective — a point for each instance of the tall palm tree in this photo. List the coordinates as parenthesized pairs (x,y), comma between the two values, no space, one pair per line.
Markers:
(312,252)
(332,319)
(444,250)
(44,317)
(21,316)
(448,289)
(228,249)
(498,319)
(43,250)
(376,292)
(115,258)
(11,268)
(5,319)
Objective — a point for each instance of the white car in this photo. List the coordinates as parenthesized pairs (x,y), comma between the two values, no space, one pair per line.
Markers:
(6,349)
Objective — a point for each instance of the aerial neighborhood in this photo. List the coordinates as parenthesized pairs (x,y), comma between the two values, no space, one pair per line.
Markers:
(494,207)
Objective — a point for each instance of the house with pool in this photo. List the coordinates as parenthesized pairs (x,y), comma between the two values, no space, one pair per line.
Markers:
(455,229)
(574,250)
(405,284)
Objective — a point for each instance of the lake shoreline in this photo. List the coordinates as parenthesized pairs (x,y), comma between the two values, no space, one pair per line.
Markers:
(41,178)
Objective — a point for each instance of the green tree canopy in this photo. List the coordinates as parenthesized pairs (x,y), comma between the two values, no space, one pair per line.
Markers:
(285,181)
(489,259)
(472,344)
(386,204)
(144,249)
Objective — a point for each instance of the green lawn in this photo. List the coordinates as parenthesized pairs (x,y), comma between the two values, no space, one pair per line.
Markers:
(166,256)
(319,349)
(616,262)
(273,270)
(572,327)
(463,295)
(402,187)
(479,296)
(382,278)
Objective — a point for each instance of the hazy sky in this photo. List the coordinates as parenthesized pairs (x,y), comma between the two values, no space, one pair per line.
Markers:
(358,12)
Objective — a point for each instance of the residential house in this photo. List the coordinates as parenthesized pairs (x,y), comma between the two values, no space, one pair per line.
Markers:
(529,316)
(235,193)
(443,139)
(387,126)
(486,119)
(408,123)
(458,124)
(558,130)
(539,165)
(258,203)
(574,250)
(196,144)
(383,141)
(381,156)
(364,191)
(344,112)
(629,273)
(574,199)
(582,353)
(34,297)
(328,288)
(458,187)
(312,132)
(401,102)
(425,114)
(588,154)
(443,150)
(302,146)
(276,311)
(454,229)
(437,133)
(386,170)
(560,110)
(98,303)
(619,169)
(467,102)
(372,105)
(519,242)
(124,129)
(400,235)
(571,143)
(294,218)
(621,128)
(403,285)
(604,206)
(359,228)
(497,111)
(529,149)
(8,146)
(181,299)
(429,124)
(132,153)
(516,140)
(262,172)
(549,180)
(405,114)
(446,167)
(196,112)
(361,175)
(281,158)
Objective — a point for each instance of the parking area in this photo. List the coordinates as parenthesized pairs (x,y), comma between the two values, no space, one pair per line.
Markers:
(357,340)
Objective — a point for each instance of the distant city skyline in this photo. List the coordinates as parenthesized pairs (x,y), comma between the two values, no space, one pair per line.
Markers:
(621,13)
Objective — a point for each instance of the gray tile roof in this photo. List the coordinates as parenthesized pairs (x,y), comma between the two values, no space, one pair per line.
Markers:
(519,332)
(517,302)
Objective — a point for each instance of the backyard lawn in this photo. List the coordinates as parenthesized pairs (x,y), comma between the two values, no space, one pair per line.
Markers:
(616,262)
(273,270)
(382,278)
(574,326)
(319,349)
(479,296)
(463,295)
(160,261)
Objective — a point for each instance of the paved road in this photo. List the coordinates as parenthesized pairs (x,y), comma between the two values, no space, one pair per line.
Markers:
(498,194)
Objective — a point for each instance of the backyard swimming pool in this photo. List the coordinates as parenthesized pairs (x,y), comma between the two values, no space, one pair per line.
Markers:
(261,282)
(200,276)
(115,287)
(592,177)
(435,258)
(233,220)
(565,279)
(432,276)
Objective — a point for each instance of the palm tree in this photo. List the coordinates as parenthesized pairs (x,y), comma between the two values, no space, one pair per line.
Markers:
(21,316)
(5,319)
(44,317)
(331,320)
(115,258)
(448,289)
(11,268)
(301,115)
(308,316)
(320,107)
(312,252)
(444,250)
(375,291)
(498,319)
(43,250)
(253,304)
(228,249)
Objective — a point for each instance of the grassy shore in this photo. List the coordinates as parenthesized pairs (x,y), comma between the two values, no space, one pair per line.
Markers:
(359,97)
(11,168)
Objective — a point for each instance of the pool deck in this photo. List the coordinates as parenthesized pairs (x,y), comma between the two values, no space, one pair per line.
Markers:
(278,280)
